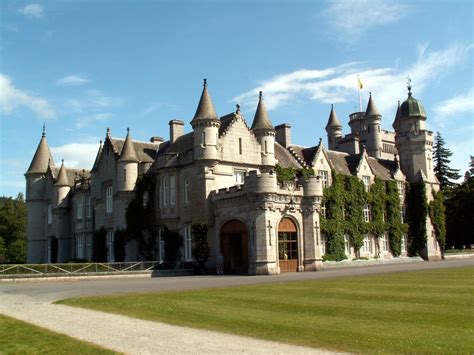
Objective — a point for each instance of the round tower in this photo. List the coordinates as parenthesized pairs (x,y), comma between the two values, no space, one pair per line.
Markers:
(333,129)
(206,128)
(61,188)
(373,120)
(35,201)
(263,129)
(127,165)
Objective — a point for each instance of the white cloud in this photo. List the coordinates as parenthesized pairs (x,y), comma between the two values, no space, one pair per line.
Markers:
(32,11)
(86,121)
(76,155)
(349,20)
(338,84)
(12,98)
(455,106)
(73,80)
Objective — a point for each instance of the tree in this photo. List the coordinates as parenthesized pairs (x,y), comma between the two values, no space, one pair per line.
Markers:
(443,172)
(200,247)
(13,229)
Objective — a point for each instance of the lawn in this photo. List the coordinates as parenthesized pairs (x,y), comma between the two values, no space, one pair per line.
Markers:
(424,311)
(22,338)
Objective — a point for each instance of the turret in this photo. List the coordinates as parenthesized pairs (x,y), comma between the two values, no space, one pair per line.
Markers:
(35,203)
(333,129)
(414,143)
(373,120)
(206,128)
(263,129)
(62,187)
(127,165)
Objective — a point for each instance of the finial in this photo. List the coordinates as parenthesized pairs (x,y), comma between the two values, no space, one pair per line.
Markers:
(128,130)
(205,83)
(409,85)
(238,108)
(44,130)
(100,142)
(332,106)
(260,95)
(108,132)
(62,161)
(320,140)
(370,93)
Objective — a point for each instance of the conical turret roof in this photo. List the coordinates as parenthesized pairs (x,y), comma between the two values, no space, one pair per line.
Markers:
(397,116)
(261,121)
(62,177)
(372,109)
(333,120)
(205,110)
(42,157)
(128,151)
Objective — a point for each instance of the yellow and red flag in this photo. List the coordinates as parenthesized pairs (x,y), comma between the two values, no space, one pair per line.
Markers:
(360,84)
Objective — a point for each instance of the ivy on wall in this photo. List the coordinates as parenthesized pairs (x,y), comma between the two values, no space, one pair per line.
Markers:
(290,174)
(437,212)
(345,200)
(417,212)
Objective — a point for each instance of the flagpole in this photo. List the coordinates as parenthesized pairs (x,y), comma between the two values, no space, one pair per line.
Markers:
(358,90)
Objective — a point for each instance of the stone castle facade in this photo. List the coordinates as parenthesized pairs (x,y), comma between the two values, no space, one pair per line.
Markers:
(222,174)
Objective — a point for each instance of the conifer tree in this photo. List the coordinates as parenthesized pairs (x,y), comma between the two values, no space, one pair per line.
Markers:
(441,156)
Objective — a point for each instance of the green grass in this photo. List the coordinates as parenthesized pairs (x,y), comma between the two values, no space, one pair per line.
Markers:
(425,311)
(22,338)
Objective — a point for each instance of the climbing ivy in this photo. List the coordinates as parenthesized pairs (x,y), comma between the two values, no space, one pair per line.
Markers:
(417,212)
(437,212)
(289,174)
(345,200)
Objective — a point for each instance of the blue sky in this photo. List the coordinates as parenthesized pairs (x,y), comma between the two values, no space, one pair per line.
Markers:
(83,66)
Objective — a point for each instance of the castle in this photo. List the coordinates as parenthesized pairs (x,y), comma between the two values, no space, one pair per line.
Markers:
(223,174)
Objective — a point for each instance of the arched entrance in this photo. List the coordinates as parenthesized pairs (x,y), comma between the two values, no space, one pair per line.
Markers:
(287,245)
(235,247)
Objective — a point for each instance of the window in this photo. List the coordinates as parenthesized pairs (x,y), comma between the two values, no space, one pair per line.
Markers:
(161,238)
(80,246)
(172,190)
(89,247)
(404,244)
(367,216)
(401,188)
(188,244)
(79,207)
(344,213)
(110,246)
(266,148)
(109,203)
(384,214)
(50,216)
(240,146)
(366,181)
(347,244)
(384,245)
(239,177)
(324,177)
(124,174)
(324,241)
(367,246)
(402,214)
(323,210)
(186,191)
(203,138)
(164,191)
(88,207)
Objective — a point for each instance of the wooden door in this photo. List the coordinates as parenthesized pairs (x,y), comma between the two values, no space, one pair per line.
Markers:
(234,247)
(287,246)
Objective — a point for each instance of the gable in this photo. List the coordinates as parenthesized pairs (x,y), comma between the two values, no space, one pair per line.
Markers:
(238,144)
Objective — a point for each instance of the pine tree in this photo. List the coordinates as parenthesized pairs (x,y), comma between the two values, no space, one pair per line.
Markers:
(443,172)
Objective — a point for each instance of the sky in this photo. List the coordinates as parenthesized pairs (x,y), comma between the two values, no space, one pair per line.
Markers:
(82,66)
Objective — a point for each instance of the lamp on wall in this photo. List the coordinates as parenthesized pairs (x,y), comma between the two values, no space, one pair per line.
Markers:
(291,204)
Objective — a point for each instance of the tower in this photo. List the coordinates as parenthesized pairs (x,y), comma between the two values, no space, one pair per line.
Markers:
(206,128)
(373,120)
(414,143)
(263,129)
(127,166)
(61,225)
(35,201)
(333,129)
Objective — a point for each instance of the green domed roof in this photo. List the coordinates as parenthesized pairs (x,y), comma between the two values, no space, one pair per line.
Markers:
(412,107)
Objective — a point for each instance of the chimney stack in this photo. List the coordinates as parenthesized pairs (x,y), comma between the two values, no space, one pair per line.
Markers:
(176,130)
(157,140)
(283,134)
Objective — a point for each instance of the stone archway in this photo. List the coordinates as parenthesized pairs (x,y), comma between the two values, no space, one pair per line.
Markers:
(287,245)
(234,247)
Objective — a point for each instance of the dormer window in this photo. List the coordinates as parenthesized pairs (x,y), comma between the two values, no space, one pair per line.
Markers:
(324,177)
(366,181)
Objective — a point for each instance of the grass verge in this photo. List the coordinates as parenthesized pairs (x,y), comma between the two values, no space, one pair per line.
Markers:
(23,338)
(424,311)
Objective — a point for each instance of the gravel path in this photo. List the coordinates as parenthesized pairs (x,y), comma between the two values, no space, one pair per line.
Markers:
(135,336)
